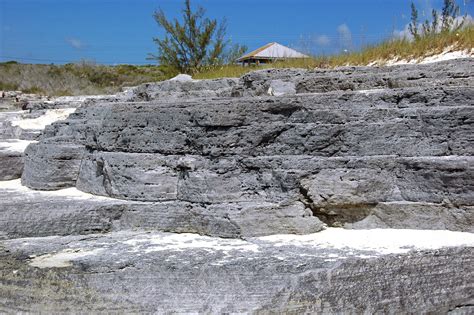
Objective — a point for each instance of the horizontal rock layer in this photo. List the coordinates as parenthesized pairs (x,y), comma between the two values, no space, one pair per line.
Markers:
(448,73)
(28,213)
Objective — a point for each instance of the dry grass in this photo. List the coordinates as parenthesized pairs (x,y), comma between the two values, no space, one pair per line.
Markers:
(404,49)
(76,79)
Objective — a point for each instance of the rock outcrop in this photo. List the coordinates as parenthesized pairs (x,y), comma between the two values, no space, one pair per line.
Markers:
(306,191)
(379,158)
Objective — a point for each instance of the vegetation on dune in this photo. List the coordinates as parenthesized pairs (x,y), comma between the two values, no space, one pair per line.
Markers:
(399,49)
(83,78)
(393,49)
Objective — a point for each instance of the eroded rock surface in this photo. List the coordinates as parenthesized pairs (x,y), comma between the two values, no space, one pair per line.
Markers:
(345,156)
(334,271)
(28,213)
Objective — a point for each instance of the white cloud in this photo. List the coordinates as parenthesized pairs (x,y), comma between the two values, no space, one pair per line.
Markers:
(345,36)
(405,32)
(322,40)
(75,43)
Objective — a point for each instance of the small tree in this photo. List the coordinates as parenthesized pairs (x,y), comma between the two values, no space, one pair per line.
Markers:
(194,43)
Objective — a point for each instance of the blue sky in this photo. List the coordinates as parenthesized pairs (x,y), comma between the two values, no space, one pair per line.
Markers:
(121,31)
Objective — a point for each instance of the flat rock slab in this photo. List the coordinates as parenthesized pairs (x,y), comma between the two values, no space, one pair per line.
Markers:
(374,271)
(28,213)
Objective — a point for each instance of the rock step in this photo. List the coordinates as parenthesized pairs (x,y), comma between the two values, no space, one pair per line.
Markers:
(11,158)
(259,198)
(355,159)
(318,125)
(154,177)
(328,272)
(440,74)
(29,213)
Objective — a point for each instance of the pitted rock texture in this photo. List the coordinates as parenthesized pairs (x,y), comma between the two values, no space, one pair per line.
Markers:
(179,89)
(359,159)
(378,271)
(448,73)
(11,158)
(355,158)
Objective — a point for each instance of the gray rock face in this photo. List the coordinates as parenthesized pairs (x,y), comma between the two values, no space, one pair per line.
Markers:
(359,158)
(27,213)
(330,272)
(11,158)
(179,89)
(11,166)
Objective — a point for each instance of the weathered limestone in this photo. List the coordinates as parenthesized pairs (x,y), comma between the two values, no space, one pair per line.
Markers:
(179,89)
(347,157)
(199,153)
(11,158)
(334,271)
(449,73)
(29,213)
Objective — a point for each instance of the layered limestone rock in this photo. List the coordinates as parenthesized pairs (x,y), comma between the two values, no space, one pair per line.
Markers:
(450,73)
(28,213)
(377,159)
(17,130)
(11,158)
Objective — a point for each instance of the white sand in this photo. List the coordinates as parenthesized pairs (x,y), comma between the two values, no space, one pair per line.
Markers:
(80,98)
(448,54)
(48,118)
(73,193)
(184,241)
(354,243)
(62,259)
(382,241)
(15,145)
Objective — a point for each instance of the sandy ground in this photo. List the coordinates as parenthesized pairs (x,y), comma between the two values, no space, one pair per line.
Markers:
(447,54)
(41,122)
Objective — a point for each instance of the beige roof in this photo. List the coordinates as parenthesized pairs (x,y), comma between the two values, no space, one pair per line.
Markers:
(273,51)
